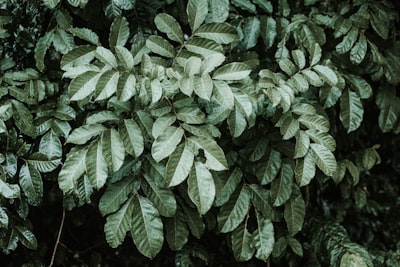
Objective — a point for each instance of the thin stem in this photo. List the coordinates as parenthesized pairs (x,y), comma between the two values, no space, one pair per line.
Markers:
(58,238)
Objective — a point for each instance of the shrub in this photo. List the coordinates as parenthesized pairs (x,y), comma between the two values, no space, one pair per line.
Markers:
(209,132)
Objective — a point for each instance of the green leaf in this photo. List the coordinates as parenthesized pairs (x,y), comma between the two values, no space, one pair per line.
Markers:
(126,87)
(241,244)
(223,94)
(305,170)
(44,163)
(359,85)
(78,56)
(125,57)
(119,32)
(294,213)
(299,58)
(234,211)
(222,33)
(348,41)
(268,31)
(265,5)
(203,86)
(166,143)
(281,187)
(179,165)
(211,62)
(359,50)
(9,191)
(251,32)
(83,85)
(116,194)
(23,119)
(96,166)
(245,5)
(63,42)
(31,184)
(289,128)
(194,221)
(324,159)
(41,48)
(76,3)
(84,190)
(243,102)
(315,121)
(85,34)
(270,167)
(322,138)
(295,246)
(329,96)
(287,66)
(162,198)
(201,187)
(232,71)
(176,231)
(315,54)
(351,110)
(107,84)
(302,144)
(260,198)
(351,259)
(263,238)
(113,149)
(279,247)
(132,137)
(84,133)
(167,24)
(106,56)
(327,74)
(197,11)
(226,190)
(119,223)
(213,152)
(101,117)
(147,227)
(160,46)
(218,10)
(312,77)
(73,168)
(4,220)
(203,47)
(51,3)
(236,123)
(26,237)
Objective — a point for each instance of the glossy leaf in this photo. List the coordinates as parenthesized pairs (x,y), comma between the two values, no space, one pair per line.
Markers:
(96,166)
(166,143)
(73,168)
(324,159)
(351,111)
(113,149)
(84,133)
(263,238)
(179,165)
(132,137)
(281,187)
(214,154)
(31,184)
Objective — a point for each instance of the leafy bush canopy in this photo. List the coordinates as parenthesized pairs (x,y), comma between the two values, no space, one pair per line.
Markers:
(256,125)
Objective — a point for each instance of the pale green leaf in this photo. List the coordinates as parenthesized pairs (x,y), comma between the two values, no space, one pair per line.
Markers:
(322,138)
(211,62)
(315,121)
(106,56)
(232,71)
(218,10)
(51,3)
(287,66)
(312,77)
(83,85)
(84,133)
(166,143)
(160,46)
(203,47)
(63,41)
(126,87)
(230,183)
(324,159)
(241,244)
(203,86)
(359,85)
(327,74)
(234,211)
(119,223)
(9,191)
(162,198)
(299,58)
(281,187)
(23,118)
(270,166)
(179,165)
(73,168)
(201,187)
(294,213)
(263,238)
(222,33)
(125,57)
(96,166)
(113,149)
(167,24)
(302,144)
(132,137)
(245,5)
(223,94)
(359,50)
(78,56)
(85,34)
(147,227)
(192,65)
(43,163)
(351,110)
(348,41)
(197,11)
(31,184)
(106,85)
(305,170)
(236,123)
(268,31)
(50,145)
(102,116)
(213,152)
(119,32)
(251,32)
(315,54)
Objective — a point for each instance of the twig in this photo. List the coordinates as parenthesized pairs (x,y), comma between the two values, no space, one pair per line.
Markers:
(58,238)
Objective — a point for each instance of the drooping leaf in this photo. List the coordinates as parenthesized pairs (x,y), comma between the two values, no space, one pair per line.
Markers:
(351,110)
(324,159)
(228,187)
(166,143)
(51,3)
(119,223)
(263,238)
(168,25)
(302,144)
(73,168)
(201,187)
(197,11)
(179,165)
(305,170)
(96,166)
(119,32)
(31,184)
(251,32)
(42,46)
(260,198)
(281,187)
(241,244)
(176,231)
(294,213)
(26,237)
(113,149)
(147,227)
(44,163)
(232,214)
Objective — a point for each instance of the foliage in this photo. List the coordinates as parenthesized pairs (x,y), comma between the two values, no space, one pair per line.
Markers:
(201,132)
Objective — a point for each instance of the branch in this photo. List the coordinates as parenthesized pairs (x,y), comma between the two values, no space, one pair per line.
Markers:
(58,238)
